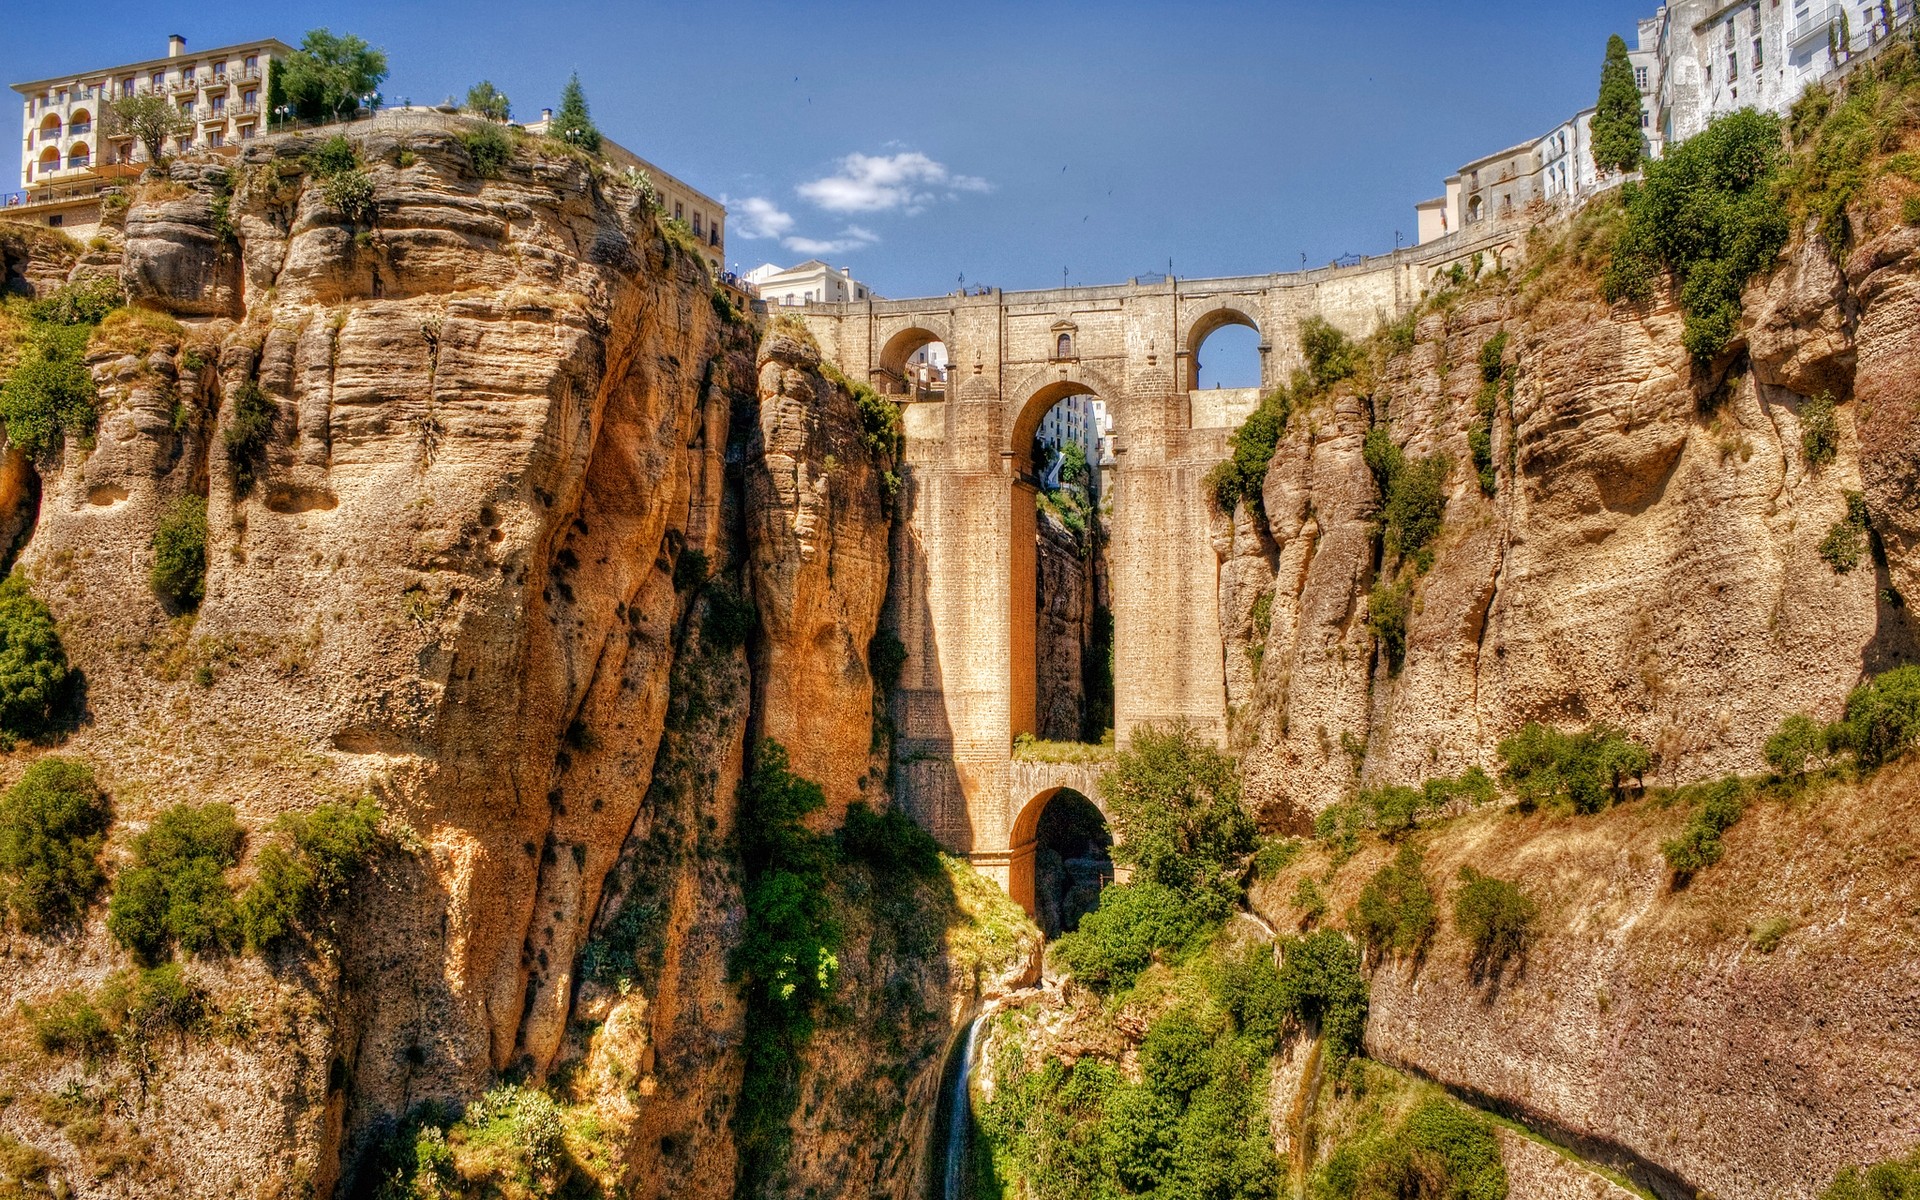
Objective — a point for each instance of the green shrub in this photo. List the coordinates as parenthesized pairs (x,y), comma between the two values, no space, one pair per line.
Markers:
(294,883)
(1310,900)
(1698,846)
(335,156)
(131,1010)
(1480,446)
(886,657)
(1473,785)
(82,302)
(1275,855)
(53,824)
(880,422)
(1413,496)
(70,1023)
(176,892)
(1120,939)
(1894,1179)
(689,570)
(1441,1151)
(1586,771)
(489,147)
(1321,982)
(1819,430)
(1847,541)
(1389,608)
(1494,916)
(180,553)
(1330,356)
(1764,935)
(246,435)
(1395,914)
(33,664)
(352,193)
(1243,474)
(888,843)
(50,393)
(730,619)
(1177,815)
(1882,717)
(1798,742)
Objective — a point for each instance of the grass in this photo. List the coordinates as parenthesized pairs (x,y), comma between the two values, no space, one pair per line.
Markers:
(1027,748)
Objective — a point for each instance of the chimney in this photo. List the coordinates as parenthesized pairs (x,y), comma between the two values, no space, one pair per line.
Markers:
(546,114)
(176,45)
(846,272)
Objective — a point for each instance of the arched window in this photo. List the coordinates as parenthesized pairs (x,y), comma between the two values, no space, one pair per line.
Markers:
(50,128)
(79,155)
(1063,346)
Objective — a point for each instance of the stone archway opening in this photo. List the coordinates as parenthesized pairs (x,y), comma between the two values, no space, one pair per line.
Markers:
(913,364)
(1062,858)
(1226,350)
(1063,614)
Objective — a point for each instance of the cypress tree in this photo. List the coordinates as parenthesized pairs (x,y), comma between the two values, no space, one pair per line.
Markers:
(571,124)
(1616,119)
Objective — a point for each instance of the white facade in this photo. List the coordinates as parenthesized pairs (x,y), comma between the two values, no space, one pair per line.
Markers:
(64,144)
(812,282)
(1565,155)
(1080,419)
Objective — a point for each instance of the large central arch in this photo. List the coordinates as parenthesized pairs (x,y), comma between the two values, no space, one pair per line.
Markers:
(1211,322)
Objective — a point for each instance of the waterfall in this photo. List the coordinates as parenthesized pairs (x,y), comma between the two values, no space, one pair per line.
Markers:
(960,1118)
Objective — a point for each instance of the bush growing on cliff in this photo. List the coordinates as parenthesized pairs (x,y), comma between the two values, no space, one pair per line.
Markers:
(180,554)
(1135,923)
(1894,1179)
(730,618)
(1819,430)
(1389,608)
(49,394)
(320,855)
(33,663)
(1848,541)
(1177,815)
(1413,498)
(1795,745)
(248,429)
(1882,718)
(82,302)
(1709,213)
(1331,356)
(1442,1151)
(489,147)
(1494,916)
(128,1013)
(1585,771)
(1395,913)
(1321,983)
(53,824)
(1242,475)
(176,892)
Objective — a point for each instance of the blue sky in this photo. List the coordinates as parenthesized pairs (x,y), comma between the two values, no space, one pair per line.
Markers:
(919,143)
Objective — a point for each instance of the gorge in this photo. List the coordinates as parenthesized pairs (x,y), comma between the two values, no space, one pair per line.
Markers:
(639,681)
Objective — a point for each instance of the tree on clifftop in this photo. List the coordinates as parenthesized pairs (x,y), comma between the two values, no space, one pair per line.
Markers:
(571,124)
(485,100)
(150,119)
(1616,118)
(330,76)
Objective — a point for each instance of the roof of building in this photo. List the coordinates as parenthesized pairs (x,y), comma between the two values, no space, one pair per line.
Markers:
(274,45)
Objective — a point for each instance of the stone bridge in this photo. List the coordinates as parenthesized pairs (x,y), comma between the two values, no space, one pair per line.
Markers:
(964,573)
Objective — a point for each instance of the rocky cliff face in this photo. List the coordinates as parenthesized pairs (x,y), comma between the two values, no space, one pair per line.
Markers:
(517,453)
(1649,556)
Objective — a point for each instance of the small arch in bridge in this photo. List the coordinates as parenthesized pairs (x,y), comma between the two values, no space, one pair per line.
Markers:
(1243,364)
(1062,858)
(1027,425)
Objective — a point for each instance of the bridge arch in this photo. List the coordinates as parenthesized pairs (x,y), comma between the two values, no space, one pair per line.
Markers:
(1022,881)
(1212,321)
(890,368)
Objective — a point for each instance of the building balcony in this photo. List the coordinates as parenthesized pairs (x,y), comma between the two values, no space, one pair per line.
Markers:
(1814,27)
(189,84)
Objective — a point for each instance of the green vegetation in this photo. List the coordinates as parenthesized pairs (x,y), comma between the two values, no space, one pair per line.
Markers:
(180,554)
(730,618)
(1028,748)
(1842,144)
(1850,538)
(1331,359)
(129,1013)
(1616,118)
(176,892)
(1585,771)
(307,870)
(53,824)
(1882,718)
(1495,375)
(486,100)
(1709,213)
(1243,474)
(1394,811)
(1795,746)
(1177,816)
(1321,983)
(151,118)
(48,392)
(514,1143)
(1894,1179)
(33,664)
(1698,845)
(330,77)
(1395,914)
(571,124)
(1389,608)
(1494,916)
(1135,924)
(352,193)
(490,148)
(1442,1151)
(1413,496)
(248,429)
(1765,934)
(1819,430)
(335,156)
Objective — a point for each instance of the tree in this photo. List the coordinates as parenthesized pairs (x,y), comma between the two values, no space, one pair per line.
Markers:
(485,100)
(150,118)
(331,76)
(572,125)
(1616,117)
(1176,808)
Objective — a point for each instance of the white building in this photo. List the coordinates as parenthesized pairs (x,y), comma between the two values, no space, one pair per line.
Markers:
(812,282)
(1079,419)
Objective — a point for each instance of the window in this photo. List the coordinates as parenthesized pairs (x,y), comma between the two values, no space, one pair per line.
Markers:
(126,87)
(697,230)
(1640,78)
(56,219)
(1733,67)
(679,211)
(1063,346)
(1757,59)
(219,72)
(186,108)
(253,62)
(219,106)
(862,293)
(248,100)
(157,80)
(246,133)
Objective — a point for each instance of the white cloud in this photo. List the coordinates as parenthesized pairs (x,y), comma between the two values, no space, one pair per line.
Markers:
(904,182)
(757,217)
(851,238)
